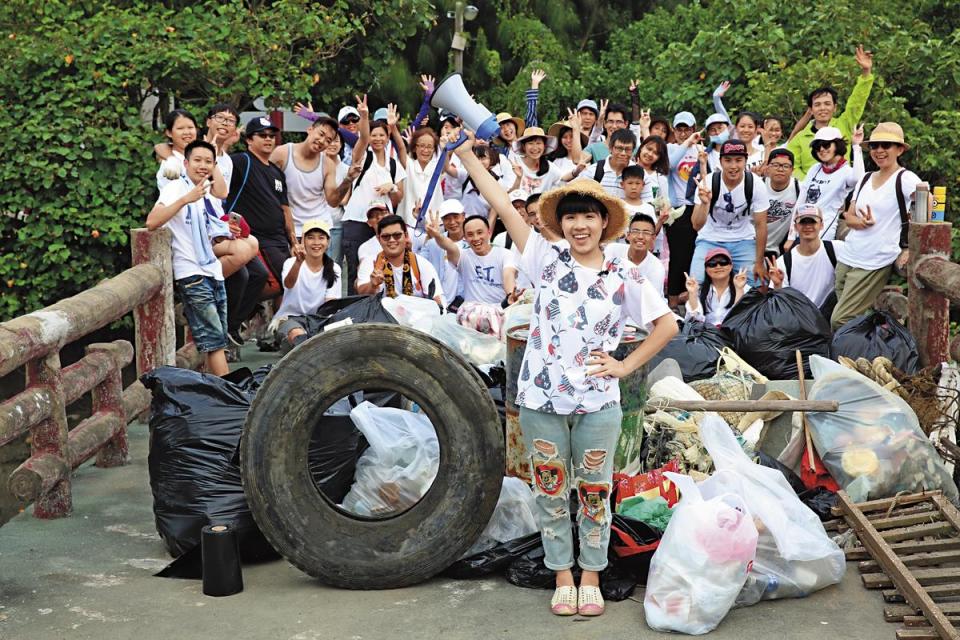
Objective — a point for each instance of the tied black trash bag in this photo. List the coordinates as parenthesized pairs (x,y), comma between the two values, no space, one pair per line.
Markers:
(696,349)
(528,571)
(877,334)
(767,328)
(360,309)
(494,560)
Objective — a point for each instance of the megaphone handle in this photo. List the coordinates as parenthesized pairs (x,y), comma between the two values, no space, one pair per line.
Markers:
(435,178)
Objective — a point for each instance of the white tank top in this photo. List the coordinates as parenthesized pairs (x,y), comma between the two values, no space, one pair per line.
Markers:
(305,192)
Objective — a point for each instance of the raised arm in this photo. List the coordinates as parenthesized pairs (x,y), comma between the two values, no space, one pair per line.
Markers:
(718,94)
(857,101)
(700,210)
(533,95)
(427,84)
(445,243)
(360,149)
(393,118)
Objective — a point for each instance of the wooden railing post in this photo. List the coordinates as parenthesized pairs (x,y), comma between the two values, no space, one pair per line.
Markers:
(154,325)
(108,396)
(929,310)
(48,441)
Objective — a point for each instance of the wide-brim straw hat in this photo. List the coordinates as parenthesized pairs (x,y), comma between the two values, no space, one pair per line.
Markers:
(549,142)
(616,208)
(506,117)
(887,132)
(556,131)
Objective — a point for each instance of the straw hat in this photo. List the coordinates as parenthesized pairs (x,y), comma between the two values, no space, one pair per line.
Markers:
(549,142)
(888,132)
(556,131)
(506,117)
(616,209)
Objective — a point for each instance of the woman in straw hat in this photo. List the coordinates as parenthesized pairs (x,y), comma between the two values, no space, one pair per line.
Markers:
(568,392)
(539,174)
(878,218)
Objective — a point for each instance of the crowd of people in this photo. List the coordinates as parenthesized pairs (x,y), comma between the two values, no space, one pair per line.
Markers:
(607,215)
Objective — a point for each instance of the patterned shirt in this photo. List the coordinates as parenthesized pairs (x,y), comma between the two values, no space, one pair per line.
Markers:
(577,310)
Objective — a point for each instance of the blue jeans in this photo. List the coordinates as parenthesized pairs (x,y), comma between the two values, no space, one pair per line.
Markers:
(572,452)
(336,251)
(205,306)
(744,253)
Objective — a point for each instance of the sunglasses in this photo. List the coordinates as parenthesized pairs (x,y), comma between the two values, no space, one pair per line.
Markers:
(640,232)
(722,262)
(350,120)
(820,144)
(728,199)
(387,237)
(882,145)
(264,134)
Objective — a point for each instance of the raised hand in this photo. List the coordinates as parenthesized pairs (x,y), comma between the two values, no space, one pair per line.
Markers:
(362,107)
(354,171)
(517,169)
(721,90)
(857,136)
(864,59)
(645,119)
(536,77)
(603,108)
(573,119)
(427,83)
(703,189)
(393,117)
(634,85)
(433,224)
(774,273)
(466,147)
(740,280)
(693,287)
(695,138)
(297,108)
(407,135)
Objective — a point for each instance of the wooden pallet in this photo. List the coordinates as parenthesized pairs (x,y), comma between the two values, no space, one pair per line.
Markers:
(911,551)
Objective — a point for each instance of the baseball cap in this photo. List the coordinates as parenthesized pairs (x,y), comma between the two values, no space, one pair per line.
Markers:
(316,223)
(684,117)
(827,134)
(380,114)
(733,148)
(260,124)
(780,151)
(587,103)
(716,117)
(519,194)
(450,207)
(719,251)
(347,111)
(376,205)
(808,211)
(445,115)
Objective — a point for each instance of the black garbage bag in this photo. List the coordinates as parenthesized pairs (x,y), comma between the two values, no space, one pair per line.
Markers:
(632,545)
(493,560)
(528,571)
(696,349)
(766,329)
(767,461)
(820,501)
(195,425)
(877,334)
(360,309)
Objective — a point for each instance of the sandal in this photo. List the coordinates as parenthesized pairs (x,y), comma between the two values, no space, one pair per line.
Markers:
(590,601)
(564,601)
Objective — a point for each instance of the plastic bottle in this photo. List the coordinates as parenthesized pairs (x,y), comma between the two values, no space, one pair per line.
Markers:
(939,204)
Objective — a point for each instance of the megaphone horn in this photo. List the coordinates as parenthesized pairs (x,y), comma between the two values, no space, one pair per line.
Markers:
(450,95)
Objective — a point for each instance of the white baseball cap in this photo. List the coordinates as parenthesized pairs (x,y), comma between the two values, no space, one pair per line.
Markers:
(684,117)
(519,194)
(451,206)
(347,111)
(828,133)
(716,117)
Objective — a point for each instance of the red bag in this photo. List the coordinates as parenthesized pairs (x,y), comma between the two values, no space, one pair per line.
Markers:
(648,485)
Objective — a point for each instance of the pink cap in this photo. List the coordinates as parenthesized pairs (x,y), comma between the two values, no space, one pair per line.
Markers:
(719,251)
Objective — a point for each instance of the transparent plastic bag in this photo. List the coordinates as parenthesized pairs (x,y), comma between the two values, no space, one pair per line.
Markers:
(795,557)
(873,445)
(702,561)
(512,518)
(400,464)
(478,348)
(410,311)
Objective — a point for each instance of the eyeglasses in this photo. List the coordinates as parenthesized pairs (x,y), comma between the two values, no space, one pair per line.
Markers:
(426,147)
(728,207)
(722,262)
(350,120)
(219,119)
(265,134)
(617,148)
(781,166)
(640,232)
(387,237)
(881,145)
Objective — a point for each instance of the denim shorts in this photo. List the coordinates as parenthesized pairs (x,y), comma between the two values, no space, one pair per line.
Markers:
(205,306)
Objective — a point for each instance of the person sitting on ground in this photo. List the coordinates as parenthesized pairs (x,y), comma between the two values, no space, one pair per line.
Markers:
(309,280)
(185,207)
(397,270)
(608,172)
(712,302)
(810,267)
(879,219)
(637,254)
(568,393)
(784,190)
(828,182)
(731,213)
(823,105)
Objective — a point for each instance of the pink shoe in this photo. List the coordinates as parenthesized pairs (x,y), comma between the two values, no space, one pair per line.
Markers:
(564,601)
(590,602)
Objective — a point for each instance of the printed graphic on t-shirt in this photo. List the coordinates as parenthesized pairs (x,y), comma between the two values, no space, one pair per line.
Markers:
(685,167)
(778,211)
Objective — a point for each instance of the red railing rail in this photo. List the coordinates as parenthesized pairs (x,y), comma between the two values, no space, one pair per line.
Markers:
(33,341)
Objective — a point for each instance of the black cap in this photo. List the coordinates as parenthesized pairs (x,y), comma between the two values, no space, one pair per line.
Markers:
(733,148)
(260,124)
(781,151)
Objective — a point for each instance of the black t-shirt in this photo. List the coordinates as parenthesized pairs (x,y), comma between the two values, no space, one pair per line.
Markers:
(260,199)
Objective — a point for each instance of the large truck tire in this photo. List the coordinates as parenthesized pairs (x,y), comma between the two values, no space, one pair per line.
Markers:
(352,551)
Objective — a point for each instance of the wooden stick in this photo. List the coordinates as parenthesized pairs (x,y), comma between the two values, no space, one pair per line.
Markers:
(743,405)
(803,416)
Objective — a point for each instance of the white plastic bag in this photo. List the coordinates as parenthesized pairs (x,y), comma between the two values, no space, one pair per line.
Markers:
(480,349)
(411,311)
(400,464)
(702,561)
(512,519)
(873,445)
(795,557)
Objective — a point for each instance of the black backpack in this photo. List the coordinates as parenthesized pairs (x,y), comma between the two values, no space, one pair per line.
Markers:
(368,162)
(747,190)
(831,253)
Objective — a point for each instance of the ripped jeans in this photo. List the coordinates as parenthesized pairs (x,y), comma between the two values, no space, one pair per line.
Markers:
(572,452)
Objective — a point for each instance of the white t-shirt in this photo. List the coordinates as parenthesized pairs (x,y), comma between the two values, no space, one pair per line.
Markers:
(576,310)
(482,276)
(680,173)
(532,183)
(731,219)
(813,276)
(449,276)
(655,185)
(308,292)
(363,194)
(428,276)
(224,161)
(369,249)
(415,189)
(305,192)
(475,204)
(827,191)
(780,214)
(878,245)
(610,181)
(717,309)
(185,260)
(650,268)
(453,185)
(565,165)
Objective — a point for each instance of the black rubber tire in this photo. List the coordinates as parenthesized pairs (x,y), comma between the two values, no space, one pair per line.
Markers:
(349,551)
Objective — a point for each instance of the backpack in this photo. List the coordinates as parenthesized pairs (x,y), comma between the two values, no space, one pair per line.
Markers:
(747,190)
(368,162)
(598,174)
(831,253)
(901,204)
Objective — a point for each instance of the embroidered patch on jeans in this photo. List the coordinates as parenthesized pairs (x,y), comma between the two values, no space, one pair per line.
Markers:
(550,476)
(593,500)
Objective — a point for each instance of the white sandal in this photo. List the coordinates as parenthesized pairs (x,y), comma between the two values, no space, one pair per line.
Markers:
(590,601)
(564,601)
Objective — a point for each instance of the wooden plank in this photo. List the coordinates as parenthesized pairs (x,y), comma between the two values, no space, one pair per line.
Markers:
(896,612)
(915,560)
(920,621)
(903,549)
(923,576)
(884,503)
(744,405)
(907,520)
(911,589)
(938,592)
(948,511)
(918,634)
(911,533)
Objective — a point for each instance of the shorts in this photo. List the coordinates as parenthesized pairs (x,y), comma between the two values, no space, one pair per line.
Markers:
(205,306)
(286,326)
